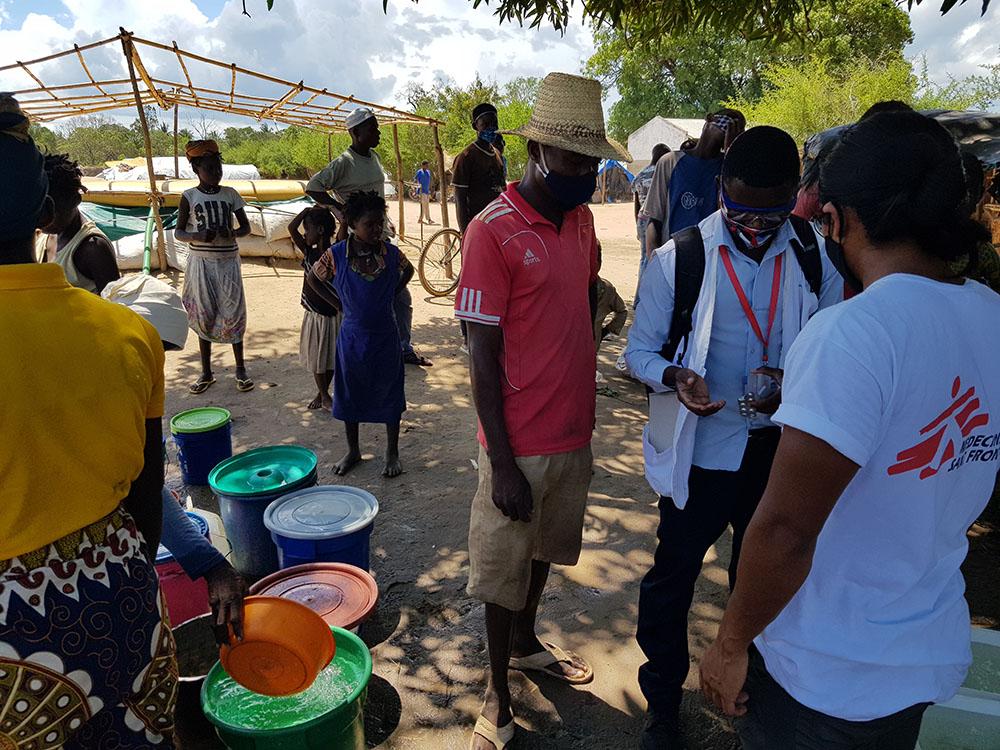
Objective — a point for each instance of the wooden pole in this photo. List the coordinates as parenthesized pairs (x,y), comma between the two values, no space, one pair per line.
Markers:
(329,146)
(177,161)
(161,250)
(401,229)
(442,181)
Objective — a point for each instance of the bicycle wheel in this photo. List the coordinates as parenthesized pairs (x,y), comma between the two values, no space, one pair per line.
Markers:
(441,262)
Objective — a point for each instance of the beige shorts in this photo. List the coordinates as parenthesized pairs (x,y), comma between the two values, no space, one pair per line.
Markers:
(501,550)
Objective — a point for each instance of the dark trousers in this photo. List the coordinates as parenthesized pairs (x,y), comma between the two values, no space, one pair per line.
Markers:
(776,721)
(716,500)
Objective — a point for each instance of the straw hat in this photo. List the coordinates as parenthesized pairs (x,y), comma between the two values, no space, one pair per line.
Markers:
(568,115)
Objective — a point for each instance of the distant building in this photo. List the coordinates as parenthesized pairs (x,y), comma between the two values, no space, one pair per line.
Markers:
(670,130)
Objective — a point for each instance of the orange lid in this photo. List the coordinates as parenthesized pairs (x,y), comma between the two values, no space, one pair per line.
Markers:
(343,595)
(285,646)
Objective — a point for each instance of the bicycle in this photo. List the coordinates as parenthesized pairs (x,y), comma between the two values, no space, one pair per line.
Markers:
(441,262)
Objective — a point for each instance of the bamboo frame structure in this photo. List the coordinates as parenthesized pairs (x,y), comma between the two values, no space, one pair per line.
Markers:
(154,195)
(150,85)
(442,180)
(399,182)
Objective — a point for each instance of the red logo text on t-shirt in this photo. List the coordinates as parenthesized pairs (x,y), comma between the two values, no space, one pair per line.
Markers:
(949,438)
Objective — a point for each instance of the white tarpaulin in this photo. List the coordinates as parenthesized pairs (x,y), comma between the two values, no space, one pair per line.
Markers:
(164,165)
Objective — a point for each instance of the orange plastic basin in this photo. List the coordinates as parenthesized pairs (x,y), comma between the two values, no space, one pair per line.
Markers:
(285,646)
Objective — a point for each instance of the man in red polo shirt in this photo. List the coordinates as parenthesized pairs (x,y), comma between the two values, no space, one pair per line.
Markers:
(529,267)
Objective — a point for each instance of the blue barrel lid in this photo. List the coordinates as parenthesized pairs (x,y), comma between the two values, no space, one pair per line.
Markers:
(323,512)
(163,554)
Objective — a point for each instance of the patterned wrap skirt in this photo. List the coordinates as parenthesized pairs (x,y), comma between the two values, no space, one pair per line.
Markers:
(86,653)
(213,296)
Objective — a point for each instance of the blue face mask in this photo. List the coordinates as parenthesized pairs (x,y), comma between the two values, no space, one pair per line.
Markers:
(489,135)
(569,192)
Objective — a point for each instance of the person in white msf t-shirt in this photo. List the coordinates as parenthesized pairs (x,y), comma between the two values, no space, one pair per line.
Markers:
(848,618)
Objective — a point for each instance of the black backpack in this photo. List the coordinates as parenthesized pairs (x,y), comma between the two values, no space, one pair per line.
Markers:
(690,271)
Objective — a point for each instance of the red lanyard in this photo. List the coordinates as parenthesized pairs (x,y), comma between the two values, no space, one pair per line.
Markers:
(747,310)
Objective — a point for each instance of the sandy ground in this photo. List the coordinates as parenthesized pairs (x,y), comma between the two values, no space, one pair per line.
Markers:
(427,638)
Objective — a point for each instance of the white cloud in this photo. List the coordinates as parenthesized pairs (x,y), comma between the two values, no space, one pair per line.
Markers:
(958,43)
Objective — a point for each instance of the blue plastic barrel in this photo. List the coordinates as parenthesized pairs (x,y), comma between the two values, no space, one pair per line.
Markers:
(332,523)
(204,438)
(245,485)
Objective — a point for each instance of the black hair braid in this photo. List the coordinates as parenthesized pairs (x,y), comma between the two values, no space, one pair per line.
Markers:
(361,203)
(65,176)
(902,174)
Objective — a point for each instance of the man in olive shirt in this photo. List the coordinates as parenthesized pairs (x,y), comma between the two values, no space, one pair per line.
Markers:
(478,171)
(359,169)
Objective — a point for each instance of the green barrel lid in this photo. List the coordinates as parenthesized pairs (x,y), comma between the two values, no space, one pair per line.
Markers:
(202,419)
(264,471)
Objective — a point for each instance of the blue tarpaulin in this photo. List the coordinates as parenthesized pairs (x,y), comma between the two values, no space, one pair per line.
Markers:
(609,164)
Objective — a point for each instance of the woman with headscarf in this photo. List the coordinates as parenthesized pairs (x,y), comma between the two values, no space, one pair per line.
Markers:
(84,653)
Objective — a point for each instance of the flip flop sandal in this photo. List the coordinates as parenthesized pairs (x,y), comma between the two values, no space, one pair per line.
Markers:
(412,358)
(244,385)
(201,386)
(499,736)
(552,654)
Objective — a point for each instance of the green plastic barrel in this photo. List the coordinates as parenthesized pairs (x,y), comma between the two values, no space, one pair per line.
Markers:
(327,716)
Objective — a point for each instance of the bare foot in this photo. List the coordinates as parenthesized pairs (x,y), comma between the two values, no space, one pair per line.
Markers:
(393,468)
(498,713)
(317,402)
(347,463)
(327,402)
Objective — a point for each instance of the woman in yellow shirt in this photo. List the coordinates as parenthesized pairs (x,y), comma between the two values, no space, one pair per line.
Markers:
(84,652)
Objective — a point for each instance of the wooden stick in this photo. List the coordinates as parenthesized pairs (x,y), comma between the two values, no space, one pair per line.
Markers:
(141,69)
(66,86)
(292,92)
(401,229)
(185,70)
(442,181)
(154,196)
(64,53)
(83,64)
(37,80)
(232,86)
(177,159)
(329,146)
(60,113)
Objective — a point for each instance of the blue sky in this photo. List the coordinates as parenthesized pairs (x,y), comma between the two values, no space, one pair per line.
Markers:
(353,47)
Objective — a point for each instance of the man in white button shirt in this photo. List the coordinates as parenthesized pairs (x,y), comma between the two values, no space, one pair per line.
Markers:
(756,292)
(849,618)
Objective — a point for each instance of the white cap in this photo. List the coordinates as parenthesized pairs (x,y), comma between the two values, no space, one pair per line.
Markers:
(358,116)
(154,300)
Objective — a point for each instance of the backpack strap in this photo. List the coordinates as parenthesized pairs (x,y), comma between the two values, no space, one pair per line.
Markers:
(689,250)
(806,250)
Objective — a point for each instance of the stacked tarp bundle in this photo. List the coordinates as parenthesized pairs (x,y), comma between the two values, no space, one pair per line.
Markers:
(134,170)
(126,227)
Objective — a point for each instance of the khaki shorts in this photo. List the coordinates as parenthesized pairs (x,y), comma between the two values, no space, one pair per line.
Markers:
(501,550)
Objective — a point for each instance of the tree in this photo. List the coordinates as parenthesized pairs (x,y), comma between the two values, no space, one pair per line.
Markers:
(813,96)
(453,105)
(691,73)
(48,141)
(775,20)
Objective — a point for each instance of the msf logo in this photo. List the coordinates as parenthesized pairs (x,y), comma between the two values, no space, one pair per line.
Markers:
(946,435)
